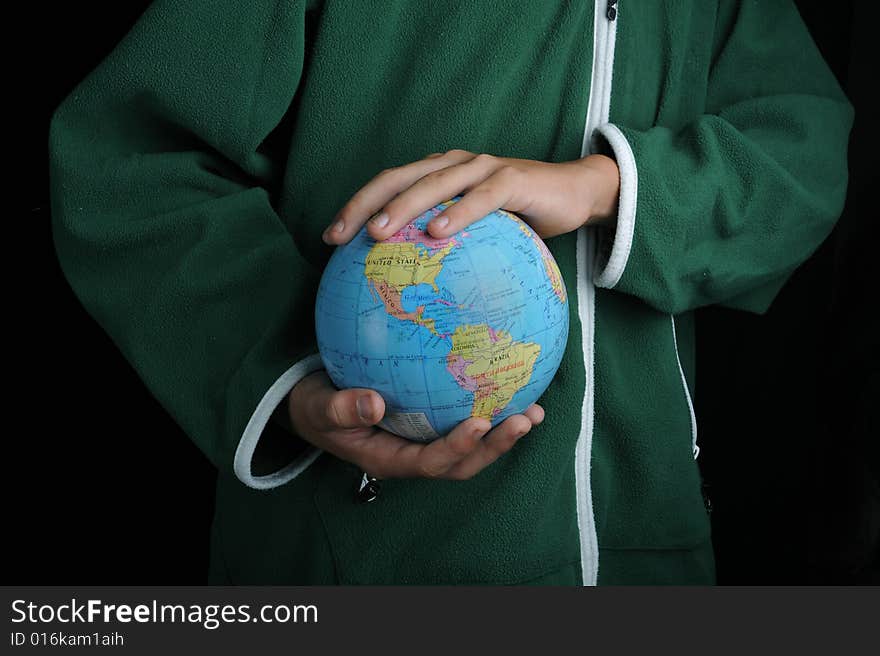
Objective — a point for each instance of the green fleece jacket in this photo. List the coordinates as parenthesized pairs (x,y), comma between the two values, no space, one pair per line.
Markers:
(195,169)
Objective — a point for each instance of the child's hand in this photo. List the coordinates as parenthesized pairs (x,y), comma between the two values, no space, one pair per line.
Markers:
(342,423)
(552,198)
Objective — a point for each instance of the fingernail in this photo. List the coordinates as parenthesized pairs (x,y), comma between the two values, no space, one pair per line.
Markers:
(380,220)
(337,227)
(365,407)
(440,222)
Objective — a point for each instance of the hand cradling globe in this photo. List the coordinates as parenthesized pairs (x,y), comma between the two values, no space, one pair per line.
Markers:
(472,325)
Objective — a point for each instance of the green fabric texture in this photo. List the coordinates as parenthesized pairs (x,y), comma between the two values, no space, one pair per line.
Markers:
(760,134)
(162,219)
(195,169)
(693,566)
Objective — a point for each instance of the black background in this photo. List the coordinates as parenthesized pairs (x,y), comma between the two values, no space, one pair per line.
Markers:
(103,488)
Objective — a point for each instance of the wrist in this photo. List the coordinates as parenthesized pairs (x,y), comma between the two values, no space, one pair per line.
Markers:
(603,188)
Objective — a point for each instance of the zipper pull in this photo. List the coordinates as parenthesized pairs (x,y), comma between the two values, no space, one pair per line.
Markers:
(611,11)
(368,489)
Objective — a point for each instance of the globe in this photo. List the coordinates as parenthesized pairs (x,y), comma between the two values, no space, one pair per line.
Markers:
(472,325)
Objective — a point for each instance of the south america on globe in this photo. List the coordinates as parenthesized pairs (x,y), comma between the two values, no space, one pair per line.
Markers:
(471,325)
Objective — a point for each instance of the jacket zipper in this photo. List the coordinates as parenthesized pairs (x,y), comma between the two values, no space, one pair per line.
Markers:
(611,10)
(604,33)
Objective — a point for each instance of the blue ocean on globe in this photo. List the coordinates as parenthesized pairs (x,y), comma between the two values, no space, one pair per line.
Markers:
(473,325)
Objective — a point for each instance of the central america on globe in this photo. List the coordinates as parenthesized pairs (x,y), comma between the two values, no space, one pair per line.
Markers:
(470,325)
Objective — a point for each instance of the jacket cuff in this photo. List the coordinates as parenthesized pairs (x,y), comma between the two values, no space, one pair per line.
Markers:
(244,454)
(615,245)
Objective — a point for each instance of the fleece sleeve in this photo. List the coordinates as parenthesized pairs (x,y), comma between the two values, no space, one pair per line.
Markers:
(722,209)
(163,224)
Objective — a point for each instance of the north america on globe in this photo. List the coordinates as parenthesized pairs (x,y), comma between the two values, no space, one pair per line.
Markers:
(473,325)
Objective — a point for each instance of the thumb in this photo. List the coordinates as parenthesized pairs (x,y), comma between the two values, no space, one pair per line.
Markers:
(355,408)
